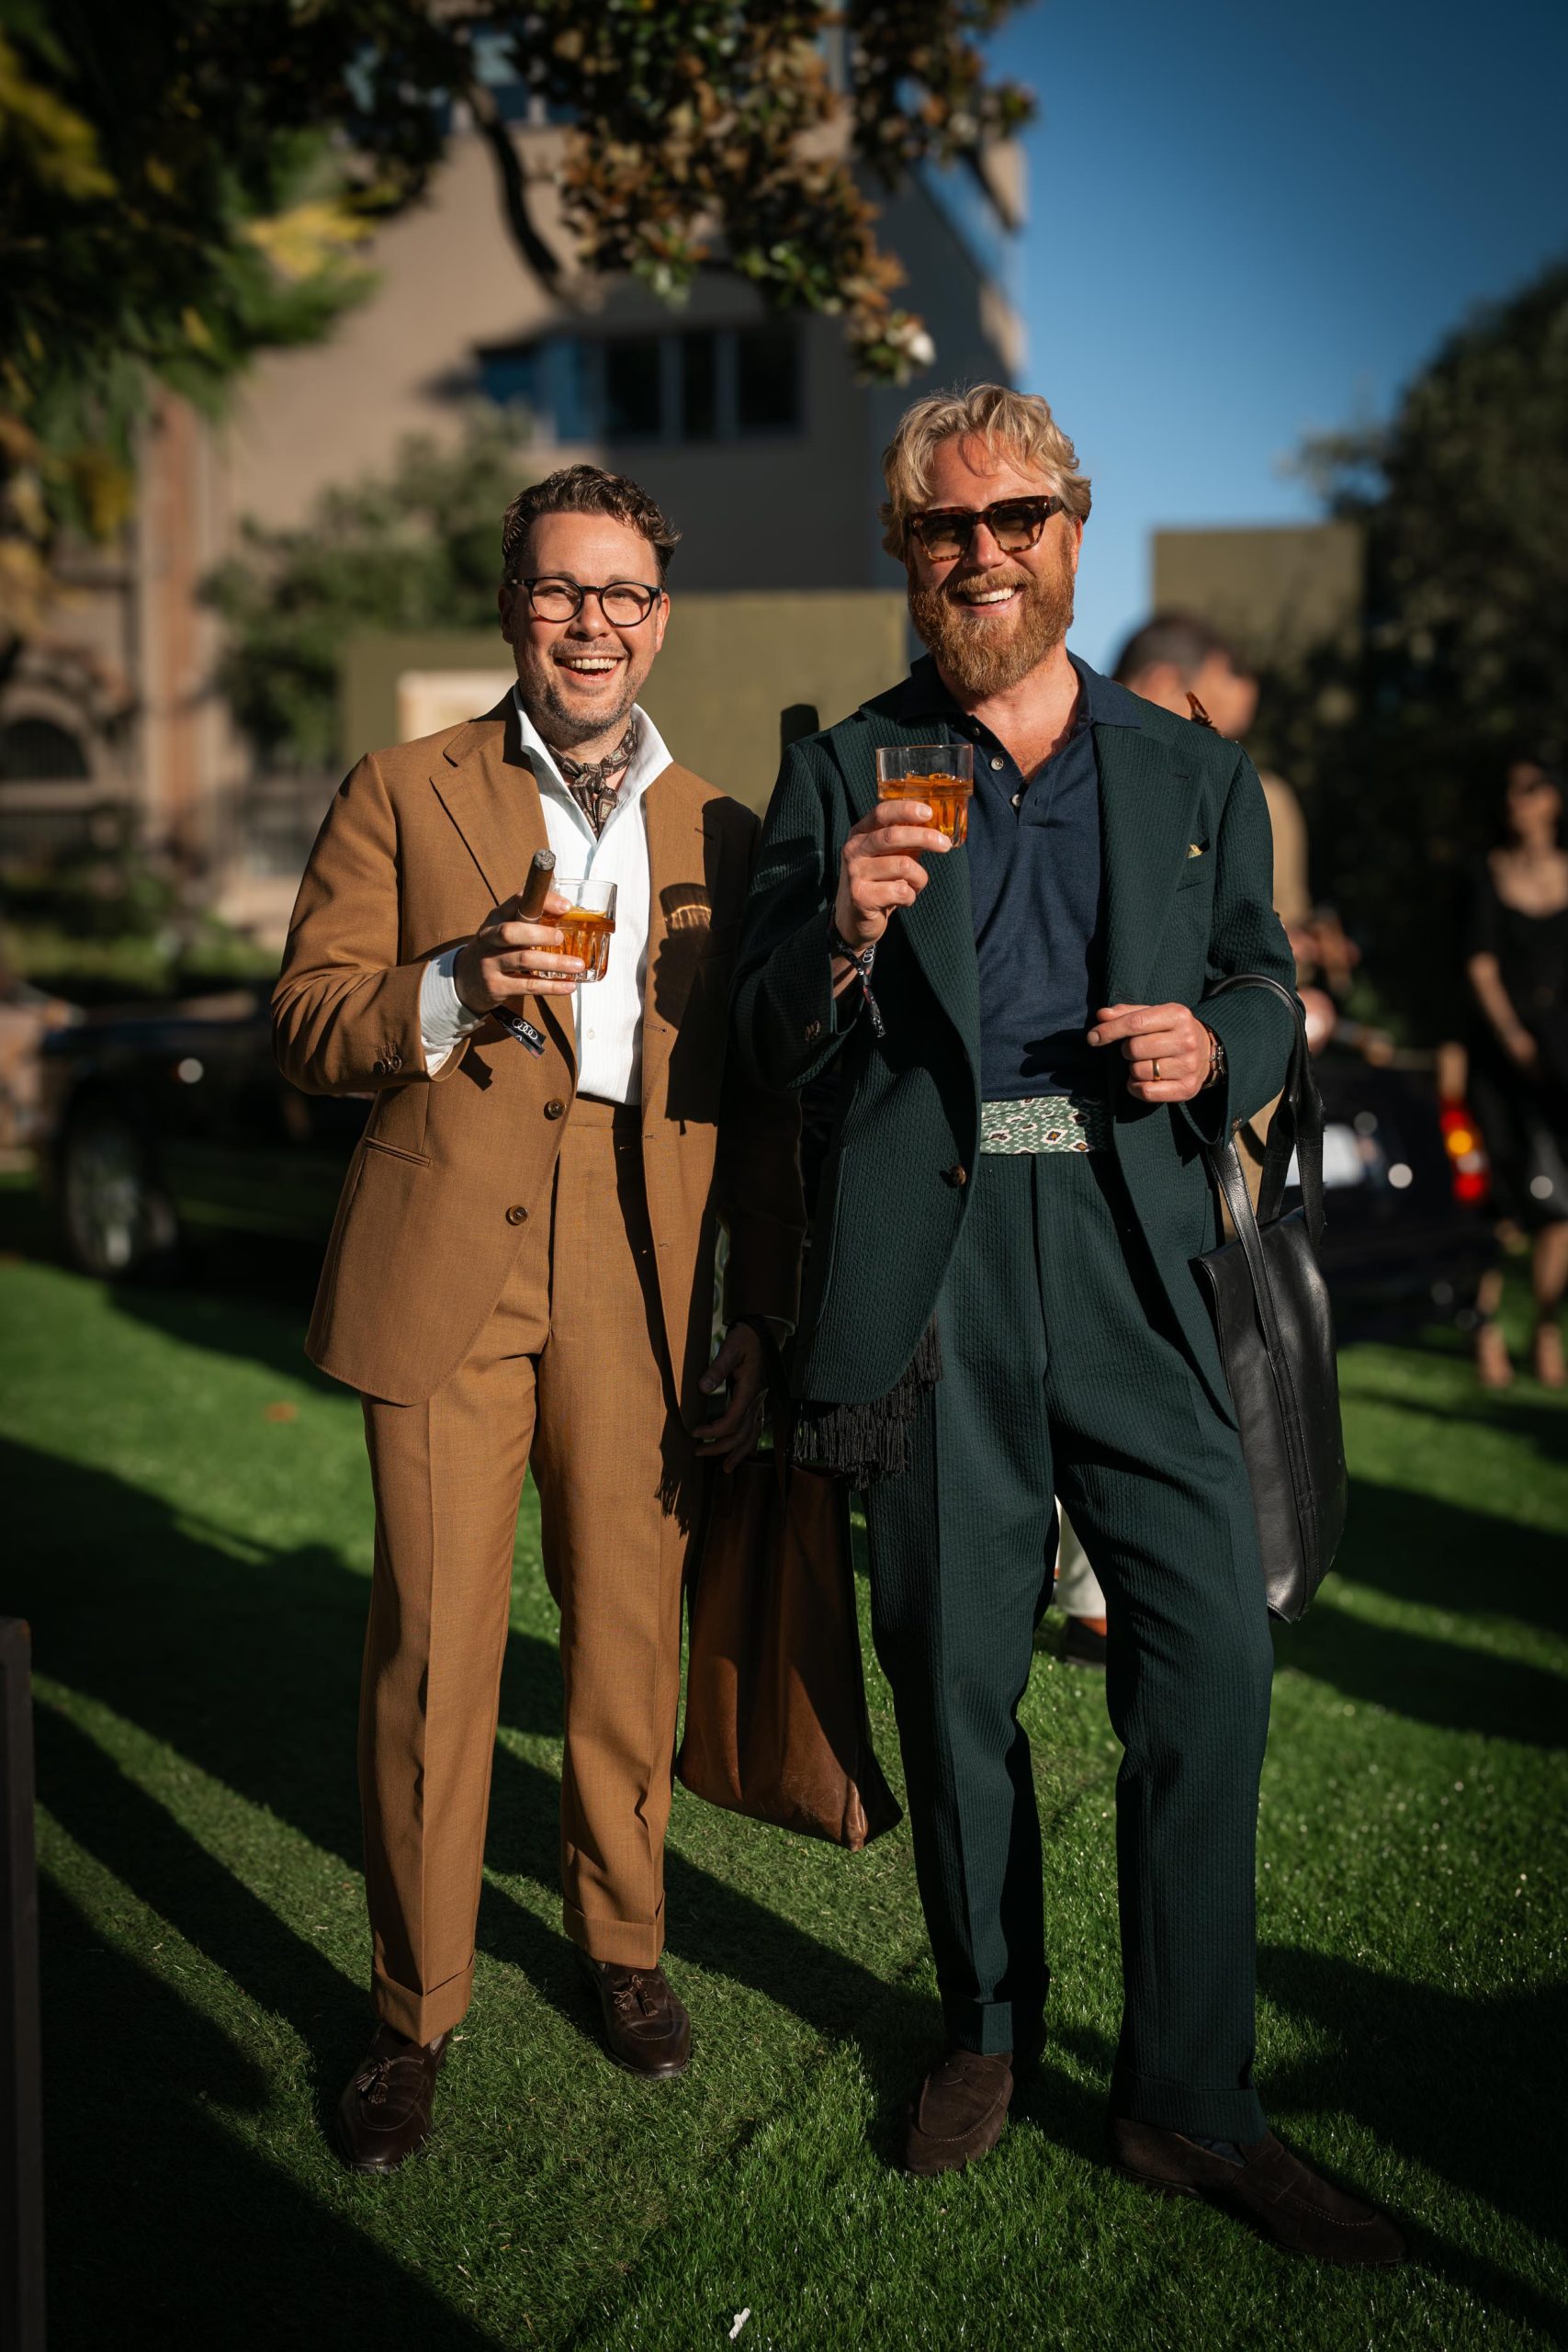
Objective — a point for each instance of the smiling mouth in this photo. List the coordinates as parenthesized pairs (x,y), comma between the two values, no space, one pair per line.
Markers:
(990,600)
(589,665)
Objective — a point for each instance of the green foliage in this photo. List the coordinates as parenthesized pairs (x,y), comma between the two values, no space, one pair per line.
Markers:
(1400,746)
(107,922)
(183,184)
(412,549)
(190,1536)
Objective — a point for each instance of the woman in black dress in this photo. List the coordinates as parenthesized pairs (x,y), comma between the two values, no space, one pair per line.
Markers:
(1519,971)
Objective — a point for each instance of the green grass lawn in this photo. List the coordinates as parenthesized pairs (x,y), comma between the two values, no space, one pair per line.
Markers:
(188,1531)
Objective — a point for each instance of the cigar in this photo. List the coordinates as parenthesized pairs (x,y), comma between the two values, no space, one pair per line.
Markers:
(530,907)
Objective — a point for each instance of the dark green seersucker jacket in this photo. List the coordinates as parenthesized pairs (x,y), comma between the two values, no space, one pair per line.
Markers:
(906,1130)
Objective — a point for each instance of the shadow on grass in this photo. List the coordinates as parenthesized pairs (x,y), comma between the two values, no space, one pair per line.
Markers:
(1422,2070)
(1444,1556)
(249,1667)
(162,2227)
(1542,1425)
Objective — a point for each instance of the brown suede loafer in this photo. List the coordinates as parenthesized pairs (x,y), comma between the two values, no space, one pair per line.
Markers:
(384,2114)
(646,2029)
(958,2111)
(1290,2204)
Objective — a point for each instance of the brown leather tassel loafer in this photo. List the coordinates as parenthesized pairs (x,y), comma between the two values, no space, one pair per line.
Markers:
(958,2111)
(384,2114)
(646,2029)
(1290,2204)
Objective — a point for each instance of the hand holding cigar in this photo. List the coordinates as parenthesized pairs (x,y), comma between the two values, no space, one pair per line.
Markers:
(517,952)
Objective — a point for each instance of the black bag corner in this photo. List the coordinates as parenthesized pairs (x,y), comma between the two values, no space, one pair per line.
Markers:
(1276,1335)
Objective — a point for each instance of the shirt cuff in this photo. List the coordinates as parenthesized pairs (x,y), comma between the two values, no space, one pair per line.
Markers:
(443,1019)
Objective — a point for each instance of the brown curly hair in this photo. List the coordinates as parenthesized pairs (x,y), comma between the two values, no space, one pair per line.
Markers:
(586,490)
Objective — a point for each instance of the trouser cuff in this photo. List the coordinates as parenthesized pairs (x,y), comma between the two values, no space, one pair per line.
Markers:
(1205,2113)
(991,2026)
(625,1943)
(422,2016)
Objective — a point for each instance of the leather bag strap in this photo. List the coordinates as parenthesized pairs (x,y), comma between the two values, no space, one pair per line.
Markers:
(1296,1126)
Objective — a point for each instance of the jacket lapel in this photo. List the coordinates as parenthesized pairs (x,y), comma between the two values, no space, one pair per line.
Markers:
(678,853)
(487,788)
(1146,800)
(486,785)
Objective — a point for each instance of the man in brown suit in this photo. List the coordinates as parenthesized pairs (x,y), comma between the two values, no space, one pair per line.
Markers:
(521,1273)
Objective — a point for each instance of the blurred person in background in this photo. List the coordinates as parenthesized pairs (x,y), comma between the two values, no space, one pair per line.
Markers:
(1517,968)
(1173,660)
(521,1274)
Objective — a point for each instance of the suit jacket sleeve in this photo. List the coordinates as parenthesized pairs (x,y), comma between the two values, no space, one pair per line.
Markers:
(1245,935)
(787,1025)
(761,1195)
(346,1013)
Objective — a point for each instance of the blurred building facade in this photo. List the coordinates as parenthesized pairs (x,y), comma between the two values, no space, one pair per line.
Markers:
(749,428)
(1276,591)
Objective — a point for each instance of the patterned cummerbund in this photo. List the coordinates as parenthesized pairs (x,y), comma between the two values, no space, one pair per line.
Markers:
(1045,1123)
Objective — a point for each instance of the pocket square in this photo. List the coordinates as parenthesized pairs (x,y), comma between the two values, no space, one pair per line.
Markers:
(1195,849)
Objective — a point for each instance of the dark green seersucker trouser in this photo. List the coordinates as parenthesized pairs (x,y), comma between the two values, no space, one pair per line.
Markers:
(1057,1375)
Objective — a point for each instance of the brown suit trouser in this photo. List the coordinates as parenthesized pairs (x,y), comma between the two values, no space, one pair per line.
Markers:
(571,1376)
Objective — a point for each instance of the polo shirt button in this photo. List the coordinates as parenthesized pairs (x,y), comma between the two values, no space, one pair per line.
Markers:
(957,1176)
(554,1109)
(997,762)
(516,1214)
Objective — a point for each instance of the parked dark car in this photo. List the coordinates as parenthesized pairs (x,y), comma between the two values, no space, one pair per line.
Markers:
(162,1125)
(1407,1234)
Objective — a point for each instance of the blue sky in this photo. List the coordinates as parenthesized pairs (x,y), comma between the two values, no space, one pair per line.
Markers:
(1250,223)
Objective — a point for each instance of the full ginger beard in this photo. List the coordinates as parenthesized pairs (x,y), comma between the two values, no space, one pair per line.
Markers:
(982,658)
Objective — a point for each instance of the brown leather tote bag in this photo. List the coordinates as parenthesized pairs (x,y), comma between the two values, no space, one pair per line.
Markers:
(776,1724)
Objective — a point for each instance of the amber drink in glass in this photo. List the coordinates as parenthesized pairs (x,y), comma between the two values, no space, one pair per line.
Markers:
(588,924)
(942,774)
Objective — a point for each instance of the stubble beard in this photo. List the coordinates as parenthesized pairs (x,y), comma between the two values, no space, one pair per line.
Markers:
(561,722)
(984,658)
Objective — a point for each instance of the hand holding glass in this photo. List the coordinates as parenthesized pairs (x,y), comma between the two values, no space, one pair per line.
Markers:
(942,774)
(589,922)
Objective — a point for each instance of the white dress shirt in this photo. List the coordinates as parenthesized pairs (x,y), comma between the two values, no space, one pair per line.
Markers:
(608,1011)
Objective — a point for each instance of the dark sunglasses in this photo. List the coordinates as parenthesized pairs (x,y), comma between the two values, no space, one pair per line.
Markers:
(624,603)
(1015,524)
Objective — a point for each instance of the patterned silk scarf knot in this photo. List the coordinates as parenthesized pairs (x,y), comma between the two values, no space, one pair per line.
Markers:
(596,785)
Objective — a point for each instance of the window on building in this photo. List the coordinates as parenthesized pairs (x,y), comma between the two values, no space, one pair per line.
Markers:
(699,385)
(633,389)
(702,384)
(767,380)
(34,751)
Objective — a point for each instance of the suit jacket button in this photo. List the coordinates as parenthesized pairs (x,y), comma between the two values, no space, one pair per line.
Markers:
(516,1214)
(554,1109)
(394,1061)
(813,1031)
(377,1069)
(957,1175)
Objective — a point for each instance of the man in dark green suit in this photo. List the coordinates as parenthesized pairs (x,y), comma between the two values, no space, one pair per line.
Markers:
(1001,1298)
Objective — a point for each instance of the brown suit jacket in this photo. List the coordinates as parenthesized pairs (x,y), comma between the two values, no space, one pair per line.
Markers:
(420,843)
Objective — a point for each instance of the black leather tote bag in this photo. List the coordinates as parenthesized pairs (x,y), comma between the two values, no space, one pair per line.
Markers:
(1276,1334)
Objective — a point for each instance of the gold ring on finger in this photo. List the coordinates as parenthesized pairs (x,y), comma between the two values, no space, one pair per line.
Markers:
(1156,1073)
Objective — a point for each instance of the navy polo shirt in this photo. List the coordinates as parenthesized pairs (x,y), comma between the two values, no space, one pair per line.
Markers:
(1035,886)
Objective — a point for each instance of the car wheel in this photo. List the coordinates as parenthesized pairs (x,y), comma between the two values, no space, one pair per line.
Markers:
(118,1220)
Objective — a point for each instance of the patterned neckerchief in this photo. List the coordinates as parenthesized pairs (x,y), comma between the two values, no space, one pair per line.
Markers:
(596,785)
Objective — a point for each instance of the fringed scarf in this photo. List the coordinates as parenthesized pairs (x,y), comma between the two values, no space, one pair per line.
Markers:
(864,1443)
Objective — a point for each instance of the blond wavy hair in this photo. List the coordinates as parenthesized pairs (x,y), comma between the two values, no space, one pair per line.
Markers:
(1019,423)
